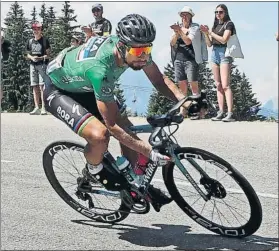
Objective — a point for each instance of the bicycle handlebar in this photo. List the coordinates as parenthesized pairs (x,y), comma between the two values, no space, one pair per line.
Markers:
(170,117)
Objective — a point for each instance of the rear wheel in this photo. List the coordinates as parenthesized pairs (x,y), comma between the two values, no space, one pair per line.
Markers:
(241,214)
(64,165)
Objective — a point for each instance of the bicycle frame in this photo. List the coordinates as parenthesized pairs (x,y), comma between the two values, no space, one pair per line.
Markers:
(170,147)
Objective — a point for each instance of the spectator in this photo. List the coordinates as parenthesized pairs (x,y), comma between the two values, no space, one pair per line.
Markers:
(76,41)
(101,26)
(5,53)
(5,47)
(277,36)
(38,52)
(186,43)
(222,29)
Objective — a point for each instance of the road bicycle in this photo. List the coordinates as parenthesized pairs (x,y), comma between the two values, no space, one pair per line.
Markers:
(208,188)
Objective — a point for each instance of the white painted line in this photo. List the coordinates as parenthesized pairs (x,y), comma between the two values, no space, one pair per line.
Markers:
(266,195)
(6,161)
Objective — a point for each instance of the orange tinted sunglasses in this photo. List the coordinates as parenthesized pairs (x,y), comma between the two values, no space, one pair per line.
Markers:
(137,51)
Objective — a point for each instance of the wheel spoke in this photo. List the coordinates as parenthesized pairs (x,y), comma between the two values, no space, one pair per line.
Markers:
(66,168)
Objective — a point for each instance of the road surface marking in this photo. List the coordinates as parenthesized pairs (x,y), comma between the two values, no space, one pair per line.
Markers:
(6,161)
(266,195)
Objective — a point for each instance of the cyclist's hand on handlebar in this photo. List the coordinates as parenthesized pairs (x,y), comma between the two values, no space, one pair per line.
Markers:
(159,158)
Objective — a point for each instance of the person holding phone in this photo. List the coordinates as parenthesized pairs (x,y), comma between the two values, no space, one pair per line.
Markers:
(223,28)
(186,52)
(38,52)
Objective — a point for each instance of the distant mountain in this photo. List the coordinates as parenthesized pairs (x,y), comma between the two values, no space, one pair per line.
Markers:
(270,108)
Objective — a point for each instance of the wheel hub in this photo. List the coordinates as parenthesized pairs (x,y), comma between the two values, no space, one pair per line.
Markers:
(214,188)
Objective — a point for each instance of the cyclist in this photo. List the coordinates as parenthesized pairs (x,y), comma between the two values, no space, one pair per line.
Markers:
(80,93)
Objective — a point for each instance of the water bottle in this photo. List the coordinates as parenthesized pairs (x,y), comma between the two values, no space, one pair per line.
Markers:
(126,169)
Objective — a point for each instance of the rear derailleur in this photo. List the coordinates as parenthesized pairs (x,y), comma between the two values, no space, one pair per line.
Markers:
(83,189)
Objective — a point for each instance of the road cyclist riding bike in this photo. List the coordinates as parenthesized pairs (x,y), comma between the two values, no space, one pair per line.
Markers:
(80,92)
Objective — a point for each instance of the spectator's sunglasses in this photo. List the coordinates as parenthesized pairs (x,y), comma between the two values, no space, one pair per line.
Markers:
(96,10)
(137,51)
(37,29)
(219,12)
(184,15)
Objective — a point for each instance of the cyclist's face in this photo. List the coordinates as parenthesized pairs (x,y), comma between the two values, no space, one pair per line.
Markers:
(137,62)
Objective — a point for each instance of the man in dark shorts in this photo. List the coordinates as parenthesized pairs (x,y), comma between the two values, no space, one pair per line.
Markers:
(80,92)
(38,51)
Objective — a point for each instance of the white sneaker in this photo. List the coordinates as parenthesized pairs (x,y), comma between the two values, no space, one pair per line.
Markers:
(229,118)
(36,111)
(43,111)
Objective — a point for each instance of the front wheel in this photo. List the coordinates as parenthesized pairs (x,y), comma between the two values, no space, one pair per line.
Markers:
(241,212)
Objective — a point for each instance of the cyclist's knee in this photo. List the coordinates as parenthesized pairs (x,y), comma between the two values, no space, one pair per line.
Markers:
(96,137)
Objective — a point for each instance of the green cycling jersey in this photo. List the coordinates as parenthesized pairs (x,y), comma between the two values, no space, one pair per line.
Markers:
(88,68)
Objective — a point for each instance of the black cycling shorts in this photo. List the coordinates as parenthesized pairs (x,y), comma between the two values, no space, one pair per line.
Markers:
(74,109)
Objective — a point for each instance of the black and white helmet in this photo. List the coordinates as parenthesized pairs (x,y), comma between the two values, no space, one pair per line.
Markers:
(135,29)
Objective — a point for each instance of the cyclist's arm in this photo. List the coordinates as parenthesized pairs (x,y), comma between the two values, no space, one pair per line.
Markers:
(110,112)
(166,87)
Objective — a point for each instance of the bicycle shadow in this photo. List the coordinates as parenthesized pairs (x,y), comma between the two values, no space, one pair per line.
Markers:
(163,235)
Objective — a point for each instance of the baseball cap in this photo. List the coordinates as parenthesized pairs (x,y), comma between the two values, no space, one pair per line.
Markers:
(97,6)
(37,25)
(75,37)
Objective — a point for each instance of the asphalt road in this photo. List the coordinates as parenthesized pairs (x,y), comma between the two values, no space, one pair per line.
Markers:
(33,217)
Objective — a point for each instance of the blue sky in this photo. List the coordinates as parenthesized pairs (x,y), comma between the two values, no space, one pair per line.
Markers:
(256,24)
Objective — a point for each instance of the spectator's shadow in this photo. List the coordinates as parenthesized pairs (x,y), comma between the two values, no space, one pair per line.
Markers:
(161,235)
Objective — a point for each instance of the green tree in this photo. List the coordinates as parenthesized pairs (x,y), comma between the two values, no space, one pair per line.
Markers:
(243,97)
(159,104)
(34,15)
(16,86)
(60,28)
(43,15)
(48,20)
(119,93)
(206,82)
(66,30)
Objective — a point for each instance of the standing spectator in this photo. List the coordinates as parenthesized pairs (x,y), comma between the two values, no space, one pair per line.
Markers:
(101,26)
(5,52)
(186,43)
(222,29)
(5,47)
(38,52)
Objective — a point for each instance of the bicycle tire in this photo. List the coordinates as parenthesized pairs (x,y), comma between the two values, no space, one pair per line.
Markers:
(255,219)
(48,156)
